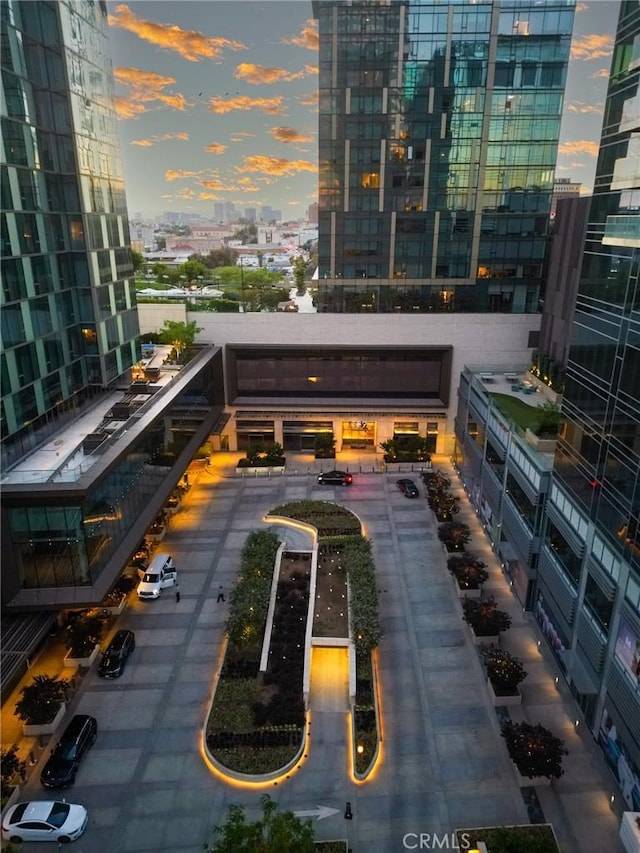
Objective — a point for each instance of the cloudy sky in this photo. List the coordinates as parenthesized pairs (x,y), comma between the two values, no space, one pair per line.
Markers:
(217,101)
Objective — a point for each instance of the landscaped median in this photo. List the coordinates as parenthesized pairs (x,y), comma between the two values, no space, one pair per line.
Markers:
(283,604)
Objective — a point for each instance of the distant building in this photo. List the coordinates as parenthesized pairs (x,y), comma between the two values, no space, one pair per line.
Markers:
(250,214)
(563,188)
(312,213)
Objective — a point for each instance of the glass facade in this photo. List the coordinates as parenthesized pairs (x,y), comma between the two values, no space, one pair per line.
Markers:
(438,134)
(593,526)
(69,319)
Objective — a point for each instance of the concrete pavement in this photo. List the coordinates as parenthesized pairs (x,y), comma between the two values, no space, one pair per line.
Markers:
(444,764)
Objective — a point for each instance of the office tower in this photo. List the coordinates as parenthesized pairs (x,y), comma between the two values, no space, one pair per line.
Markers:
(81,442)
(312,212)
(218,211)
(438,134)
(230,213)
(69,321)
(250,214)
(589,568)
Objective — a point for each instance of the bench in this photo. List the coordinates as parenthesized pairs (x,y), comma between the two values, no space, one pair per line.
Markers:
(488,377)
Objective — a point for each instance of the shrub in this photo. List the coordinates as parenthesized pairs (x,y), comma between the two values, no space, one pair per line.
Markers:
(83,635)
(469,572)
(40,701)
(454,535)
(505,672)
(534,749)
(484,616)
(10,766)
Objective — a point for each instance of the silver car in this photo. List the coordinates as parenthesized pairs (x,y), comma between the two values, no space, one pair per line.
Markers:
(44,820)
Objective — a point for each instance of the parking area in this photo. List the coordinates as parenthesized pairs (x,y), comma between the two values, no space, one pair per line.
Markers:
(444,766)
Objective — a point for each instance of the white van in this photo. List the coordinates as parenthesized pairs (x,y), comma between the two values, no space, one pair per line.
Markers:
(160,573)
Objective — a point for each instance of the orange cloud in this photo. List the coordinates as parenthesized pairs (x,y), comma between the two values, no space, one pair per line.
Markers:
(308,36)
(209,197)
(272,106)
(147,143)
(583,107)
(179,174)
(310,100)
(311,69)
(256,74)
(145,87)
(190,44)
(592,46)
(243,185)
(215,148)
(579,146)
(241,136)
(277,166)
(288,134)
(127,109)
(601,72)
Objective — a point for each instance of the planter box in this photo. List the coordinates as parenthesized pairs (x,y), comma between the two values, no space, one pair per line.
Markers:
(116,609)
(542,445)
(70,660)
(31,729)
(533,781)
(490,640)
(511,699)
(261,470)
(158,536)
(466,593)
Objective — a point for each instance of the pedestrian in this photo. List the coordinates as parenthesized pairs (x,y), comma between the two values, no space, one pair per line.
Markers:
(220,595)
(177,594)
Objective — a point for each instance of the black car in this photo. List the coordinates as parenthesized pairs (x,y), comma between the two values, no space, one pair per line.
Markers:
(408,488)
(115,657)
(335,478)
(62,766)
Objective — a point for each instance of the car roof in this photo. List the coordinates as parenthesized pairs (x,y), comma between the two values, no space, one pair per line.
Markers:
(34,810)
(78,722)
(119,638)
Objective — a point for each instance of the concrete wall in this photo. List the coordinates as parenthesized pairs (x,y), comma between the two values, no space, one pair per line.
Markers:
(496,341)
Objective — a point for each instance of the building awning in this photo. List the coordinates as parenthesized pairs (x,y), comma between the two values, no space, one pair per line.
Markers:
(21,634)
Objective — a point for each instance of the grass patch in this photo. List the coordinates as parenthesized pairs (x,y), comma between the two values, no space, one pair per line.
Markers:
(233,703)
(248,759)
(523,415)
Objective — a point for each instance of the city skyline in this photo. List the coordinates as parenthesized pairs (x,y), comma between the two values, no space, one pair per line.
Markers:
(248,133)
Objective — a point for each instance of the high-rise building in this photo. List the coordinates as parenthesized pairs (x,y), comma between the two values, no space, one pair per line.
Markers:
(438,135)
(69,320)
(564,188)
(312,212)
(90,449)
(589,567)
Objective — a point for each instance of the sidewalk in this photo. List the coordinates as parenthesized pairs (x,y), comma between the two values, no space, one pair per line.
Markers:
(579,803)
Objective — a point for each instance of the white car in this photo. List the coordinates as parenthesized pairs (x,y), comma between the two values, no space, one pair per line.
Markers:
(44,820)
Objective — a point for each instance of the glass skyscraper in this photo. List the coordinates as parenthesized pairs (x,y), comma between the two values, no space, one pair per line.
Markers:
(69,320)
(438,134)
(589,568)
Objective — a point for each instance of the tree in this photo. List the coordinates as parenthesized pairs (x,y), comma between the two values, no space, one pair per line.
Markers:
(180,335)
(192,269)
(40,701)
(548,419)
(275,832)
(137,260)
(299,270)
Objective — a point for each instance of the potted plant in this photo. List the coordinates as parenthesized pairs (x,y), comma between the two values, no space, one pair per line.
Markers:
(83,638)
(264,456)
(444,505)
(469,573)
(325,446)
(42,704)
(12,771)
(454,535)
(436,481)
(504,675)
(115,600)
(535,751)
(484,619)
(408,448)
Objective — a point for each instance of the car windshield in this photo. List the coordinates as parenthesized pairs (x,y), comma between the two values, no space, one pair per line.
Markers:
(58,814)
(149,578)
(65,752)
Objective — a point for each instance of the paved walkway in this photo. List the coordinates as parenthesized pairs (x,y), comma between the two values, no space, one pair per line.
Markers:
(444,763)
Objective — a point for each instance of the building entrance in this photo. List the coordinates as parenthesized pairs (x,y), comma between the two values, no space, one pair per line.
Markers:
(359,435)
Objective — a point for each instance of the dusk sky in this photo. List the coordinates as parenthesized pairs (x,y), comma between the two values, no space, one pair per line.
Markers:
(218,102)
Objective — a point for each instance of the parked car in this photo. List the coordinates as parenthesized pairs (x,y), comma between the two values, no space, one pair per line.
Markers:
(408,488)
(335,478)
(62,766)
(160,574)
(115,657)
(44,820)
